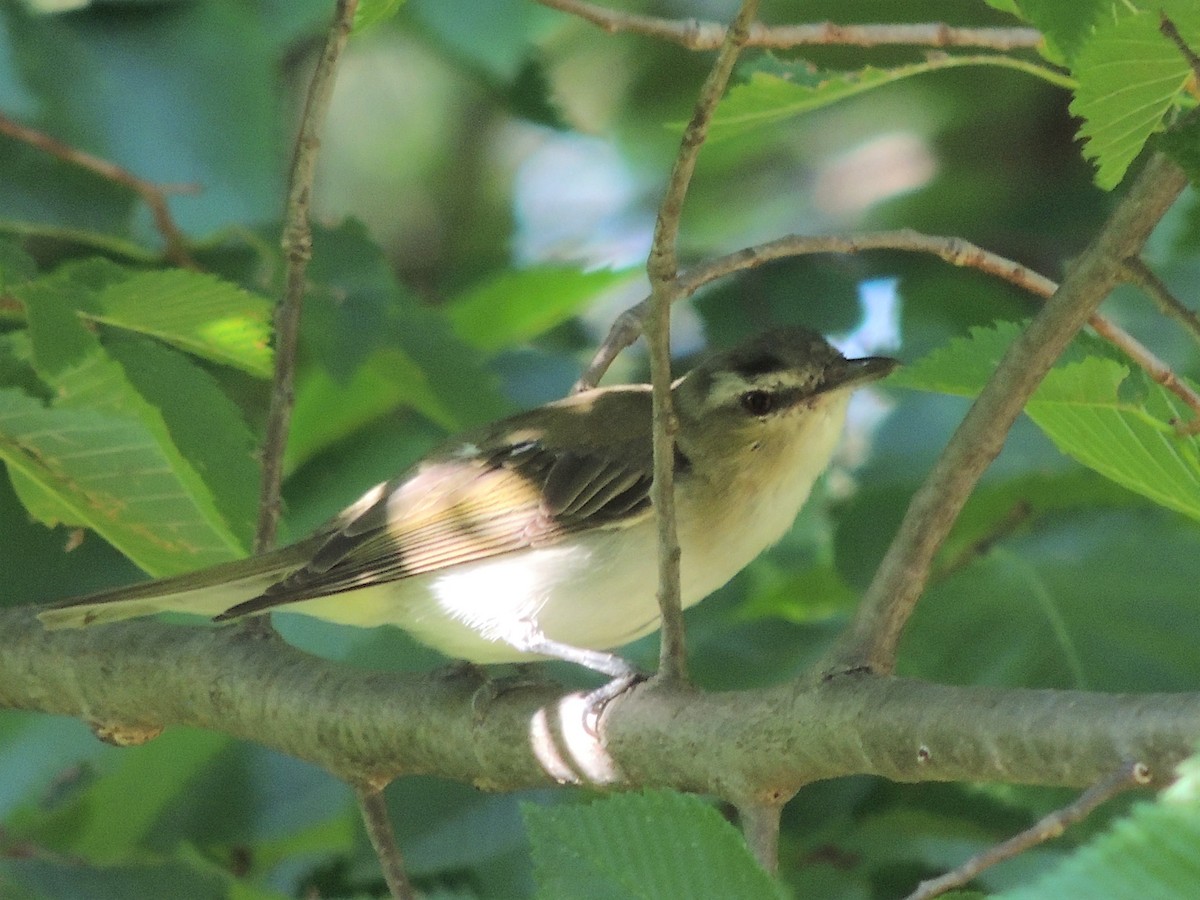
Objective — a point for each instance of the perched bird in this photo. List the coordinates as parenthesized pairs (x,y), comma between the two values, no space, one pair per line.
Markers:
(534,537)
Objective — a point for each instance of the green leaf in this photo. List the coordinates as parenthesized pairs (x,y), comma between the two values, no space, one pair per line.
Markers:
(139,781)
(650,845)
(370,13)
(515,306)
(328,410)
(195,312)
(1129,76)
(1182,144)
(1065,26)
(1093,409)
(771,98)
(369,309)
(1154,852)
(16,265)
(806,596)
(1008,6)
(104,453)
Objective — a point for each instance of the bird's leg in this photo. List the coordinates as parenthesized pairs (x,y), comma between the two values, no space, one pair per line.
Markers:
(623,673)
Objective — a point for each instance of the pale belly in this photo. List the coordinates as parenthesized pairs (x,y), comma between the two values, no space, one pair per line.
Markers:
(598,593)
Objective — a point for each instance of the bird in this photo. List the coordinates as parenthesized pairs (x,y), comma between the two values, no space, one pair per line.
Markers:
(534,537)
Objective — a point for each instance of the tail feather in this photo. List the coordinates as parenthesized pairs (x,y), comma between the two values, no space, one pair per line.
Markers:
(208,592)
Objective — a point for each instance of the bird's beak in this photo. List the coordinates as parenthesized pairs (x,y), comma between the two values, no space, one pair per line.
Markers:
(854,372)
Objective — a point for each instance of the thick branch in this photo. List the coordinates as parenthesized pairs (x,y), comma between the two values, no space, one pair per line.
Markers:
(696,35)
(872,639)
(746,747)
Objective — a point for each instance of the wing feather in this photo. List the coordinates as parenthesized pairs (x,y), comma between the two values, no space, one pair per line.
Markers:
(451,511)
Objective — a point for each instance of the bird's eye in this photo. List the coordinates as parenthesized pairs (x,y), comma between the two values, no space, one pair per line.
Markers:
(757,403)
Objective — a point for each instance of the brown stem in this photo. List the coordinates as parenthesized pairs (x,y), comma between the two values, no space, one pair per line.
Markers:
(374,810)
(661,266)
(153,195)
(297,251)
(1167,27)
(697,35)
(760,825)
(1052,826)
(1168,304)
(873,637)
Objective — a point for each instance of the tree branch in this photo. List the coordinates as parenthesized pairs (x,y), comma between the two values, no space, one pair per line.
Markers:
(297,251)
(874,634)
(749,747)
(760,825)
(697,35)
(1152,286)
(1128,776)
(153,195)
(953,250)
(661,267)
(374,810)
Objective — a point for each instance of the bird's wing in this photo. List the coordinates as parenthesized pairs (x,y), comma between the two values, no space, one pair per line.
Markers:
(457,509)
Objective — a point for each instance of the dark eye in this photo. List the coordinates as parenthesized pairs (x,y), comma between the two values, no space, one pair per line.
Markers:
(757,403)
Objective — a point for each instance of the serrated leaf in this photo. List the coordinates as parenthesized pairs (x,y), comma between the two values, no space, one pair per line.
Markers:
(1065,26)
(769,98)
(1085,407)
(1129,76)
(195,312)
(515,306)
(104,455)
(652,845)
(109,473)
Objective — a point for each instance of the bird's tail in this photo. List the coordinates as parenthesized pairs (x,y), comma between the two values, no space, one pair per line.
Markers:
(207,592)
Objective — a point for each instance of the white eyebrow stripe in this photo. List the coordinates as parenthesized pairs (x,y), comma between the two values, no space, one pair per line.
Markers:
(727,386)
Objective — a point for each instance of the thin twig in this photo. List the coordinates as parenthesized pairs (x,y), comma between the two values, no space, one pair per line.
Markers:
(153,195)
(1052,826)
(1158,370)
(760,827)
(662,267)
(379,829)
(1168,304)
(1171,33)
(953,250)
(297,251)
(871,641)
(696,35)
(629,325)
(1001,529)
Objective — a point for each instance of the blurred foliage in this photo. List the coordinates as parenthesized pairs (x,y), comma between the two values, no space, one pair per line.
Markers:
(486,191)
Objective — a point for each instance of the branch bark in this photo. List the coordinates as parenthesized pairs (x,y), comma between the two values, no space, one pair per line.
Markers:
(750,748)
(697,35)
(662,267)
(152,194)
(297,251)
